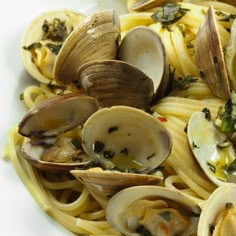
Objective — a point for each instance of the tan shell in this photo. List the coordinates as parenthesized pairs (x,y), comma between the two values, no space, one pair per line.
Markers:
(151,208)
(210,58)
(230,56)
(143,48)
(114,82)
(45,58)
(97,38)
(126,137)
(219,212)
(48,120)
(205,141)
(104,184)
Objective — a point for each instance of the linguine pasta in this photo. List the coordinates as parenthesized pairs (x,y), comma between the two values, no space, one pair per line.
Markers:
(66,199)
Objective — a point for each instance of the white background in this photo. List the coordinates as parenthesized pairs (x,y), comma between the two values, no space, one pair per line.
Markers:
(19,214)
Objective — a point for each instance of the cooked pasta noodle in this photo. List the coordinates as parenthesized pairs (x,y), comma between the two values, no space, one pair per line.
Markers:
(66,199)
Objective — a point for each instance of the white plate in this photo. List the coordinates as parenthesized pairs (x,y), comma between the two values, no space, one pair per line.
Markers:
(19,213)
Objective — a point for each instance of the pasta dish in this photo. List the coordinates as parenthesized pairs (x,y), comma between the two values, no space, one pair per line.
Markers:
(130,128)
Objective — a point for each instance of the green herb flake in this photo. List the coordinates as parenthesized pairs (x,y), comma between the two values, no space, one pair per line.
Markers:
(55,31)
(211,167)
(32,46)
(211,228)
(207,113)
(76,143)
(189,45)
(108,154)
(98,146)
(229,205)
(232,167)
(54,48)
(22,96)
(169,14)
(125,151)
(195,145)
(165,215)
(112,129)
(143,231)
(184,83)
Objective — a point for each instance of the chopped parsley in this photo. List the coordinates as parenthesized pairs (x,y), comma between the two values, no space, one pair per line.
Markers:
(165,215)
(125,151)
(207,113)
(211,167)
(112,129)
(76,143)
(54,48)
(98,146)
(55,31)
(169,14)
(143,231)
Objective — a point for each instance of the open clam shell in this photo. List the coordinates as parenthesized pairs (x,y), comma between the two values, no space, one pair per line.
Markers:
(230,56)
(114,82)
(154,210)
(48,120)
(210,58)
(210,147)
(218,215)
(96,38)
(127,138)
(104,184)
(40,44)
(143,48)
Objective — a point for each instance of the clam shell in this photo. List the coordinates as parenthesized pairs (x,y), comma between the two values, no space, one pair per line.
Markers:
(210,58)
(104,184)
(33,34)
(230,56)
(128,223)
(143,48)
(205,140)
(97,38)
(114,82)
(51,118)
(57,115)
(126,137)
(220,201)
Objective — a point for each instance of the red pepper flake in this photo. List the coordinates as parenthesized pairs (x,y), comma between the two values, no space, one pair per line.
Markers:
(162,119)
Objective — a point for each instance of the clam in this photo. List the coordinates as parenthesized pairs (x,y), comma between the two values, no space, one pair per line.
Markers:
(230,56)
(93,37)
(48,145)
(218,215)
(152,210)
(144,49)
(42,40)
(210,58)
(143,5)
(103,184)
(123,139)
(114,82)
(211,148)
(126,137)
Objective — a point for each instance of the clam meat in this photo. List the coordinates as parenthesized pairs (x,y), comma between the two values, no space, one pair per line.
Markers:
(218,216)
(51,143)
(212,149)
(152,210)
